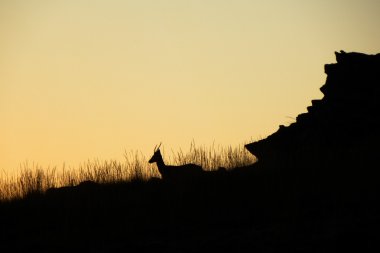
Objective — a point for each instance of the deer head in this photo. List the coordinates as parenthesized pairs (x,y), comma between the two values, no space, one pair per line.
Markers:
(156,155)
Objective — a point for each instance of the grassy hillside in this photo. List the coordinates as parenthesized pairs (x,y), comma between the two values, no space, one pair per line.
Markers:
(32,178)
(244,209)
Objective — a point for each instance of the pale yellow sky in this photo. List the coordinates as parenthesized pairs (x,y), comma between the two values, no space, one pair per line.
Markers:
(89,79)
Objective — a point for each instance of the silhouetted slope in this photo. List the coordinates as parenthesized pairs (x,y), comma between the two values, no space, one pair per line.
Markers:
(342,127)
(328,157)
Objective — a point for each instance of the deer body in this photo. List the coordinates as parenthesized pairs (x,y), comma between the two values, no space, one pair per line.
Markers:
(175,172)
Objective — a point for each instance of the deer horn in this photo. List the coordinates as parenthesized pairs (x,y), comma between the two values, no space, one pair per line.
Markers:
(159,146)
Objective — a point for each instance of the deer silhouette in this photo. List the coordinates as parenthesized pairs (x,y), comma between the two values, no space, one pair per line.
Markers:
(169,172)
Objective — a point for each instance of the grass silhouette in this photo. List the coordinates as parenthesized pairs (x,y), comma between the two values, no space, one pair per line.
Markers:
(125,206)
(33,179)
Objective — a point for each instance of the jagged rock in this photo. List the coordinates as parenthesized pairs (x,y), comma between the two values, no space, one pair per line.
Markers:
(344,121)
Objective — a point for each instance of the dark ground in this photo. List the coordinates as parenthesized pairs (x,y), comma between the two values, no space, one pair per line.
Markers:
(250,209)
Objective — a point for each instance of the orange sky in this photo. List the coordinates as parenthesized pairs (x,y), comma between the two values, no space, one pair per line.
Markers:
(90,79)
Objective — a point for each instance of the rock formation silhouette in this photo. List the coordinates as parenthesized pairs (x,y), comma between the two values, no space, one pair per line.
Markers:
(341,127)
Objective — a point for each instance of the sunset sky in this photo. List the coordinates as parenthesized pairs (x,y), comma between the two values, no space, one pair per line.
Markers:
(85,79)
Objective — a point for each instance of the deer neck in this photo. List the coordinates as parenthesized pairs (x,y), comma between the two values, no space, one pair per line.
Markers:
(160,163)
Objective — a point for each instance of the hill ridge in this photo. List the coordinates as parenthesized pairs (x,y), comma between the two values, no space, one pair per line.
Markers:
(346,115)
